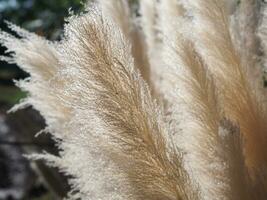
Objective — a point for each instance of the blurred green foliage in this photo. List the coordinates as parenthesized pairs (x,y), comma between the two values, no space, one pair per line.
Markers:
(11,95)
(44,17)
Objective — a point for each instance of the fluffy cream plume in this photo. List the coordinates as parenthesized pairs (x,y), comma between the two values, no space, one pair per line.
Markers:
(213,158)
(168,13)
(47,95)
(120,12)
(214,153)
(115,141)
(133,124)
(114,123)
(41,64)
(241,96)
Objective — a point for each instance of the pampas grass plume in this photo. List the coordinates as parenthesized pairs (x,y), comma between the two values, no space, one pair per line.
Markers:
(161,104)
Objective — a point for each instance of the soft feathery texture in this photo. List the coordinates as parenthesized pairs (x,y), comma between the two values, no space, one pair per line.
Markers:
(194,93)
(204,136)
(149,23)
(42,64)
(114,122)
(121,99)
(46,84)
(120,12)
(244,24)
(247,20)
(233,78)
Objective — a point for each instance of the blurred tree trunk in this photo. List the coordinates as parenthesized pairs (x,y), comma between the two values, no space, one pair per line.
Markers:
(21,128)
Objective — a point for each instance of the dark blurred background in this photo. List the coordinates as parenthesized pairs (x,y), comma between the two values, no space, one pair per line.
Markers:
(19,177)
